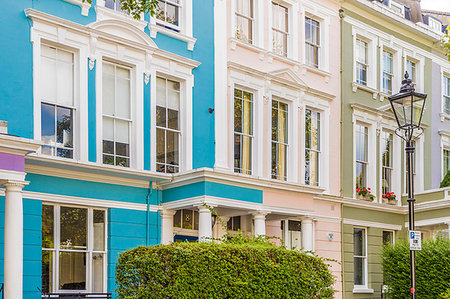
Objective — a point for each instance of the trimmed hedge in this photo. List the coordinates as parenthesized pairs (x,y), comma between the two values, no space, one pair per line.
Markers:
(210,270)
(432,269)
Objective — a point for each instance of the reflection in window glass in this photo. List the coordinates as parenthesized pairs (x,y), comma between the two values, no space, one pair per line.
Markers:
(73,228)
(168,14)
(312,42)
(411,69)
(279,139)
(387,163)
(361,141)
(387,72)
(47,227)
(361,62)
(388,237)
(47,271)
(280,29)
(244,20)
(359,256)
(446,161)
(167,125)
(312,147)
(99,230)
(243,131)
(234,223)
(294,234)
(72,271)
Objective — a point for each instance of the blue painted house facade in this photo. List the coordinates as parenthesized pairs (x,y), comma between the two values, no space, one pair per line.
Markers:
(98,111)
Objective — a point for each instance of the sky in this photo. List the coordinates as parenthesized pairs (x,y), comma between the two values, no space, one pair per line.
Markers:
(441,5)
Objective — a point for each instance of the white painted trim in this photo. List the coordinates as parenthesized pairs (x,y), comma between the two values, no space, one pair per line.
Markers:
(84,5)
(427,222)
(371,224)
(84,201)
(154,29)
(362,290)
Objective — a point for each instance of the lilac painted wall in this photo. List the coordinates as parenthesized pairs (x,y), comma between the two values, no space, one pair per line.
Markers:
(436,126)
(12,162)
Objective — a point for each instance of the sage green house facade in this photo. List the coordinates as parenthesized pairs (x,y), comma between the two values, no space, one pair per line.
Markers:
(380,41)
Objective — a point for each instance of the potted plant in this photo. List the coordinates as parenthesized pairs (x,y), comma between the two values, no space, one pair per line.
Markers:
(364,194)
(390,198)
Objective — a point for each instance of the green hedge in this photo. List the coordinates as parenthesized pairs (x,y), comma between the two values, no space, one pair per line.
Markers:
(432,269)
(446,181)
(210,270)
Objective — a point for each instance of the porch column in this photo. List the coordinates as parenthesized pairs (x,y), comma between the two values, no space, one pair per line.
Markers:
(167,226)
(259,219)
(13,259)
(204,224)
(307,234)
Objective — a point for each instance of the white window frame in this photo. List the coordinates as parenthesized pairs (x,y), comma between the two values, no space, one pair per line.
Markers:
(80,123)
(319,152)
(444,145)
(389,126)
(358,118)
(432,23)
(258,23)
(292,37)
(396,67)
(315,11)
(366,257)
(445,96)
(321,106)
(389,168)
(393,5)
(419,60)
(288,129)
(176,28)
(89,251)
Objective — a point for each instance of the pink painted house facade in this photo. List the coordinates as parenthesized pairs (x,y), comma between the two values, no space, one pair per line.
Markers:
(277,119)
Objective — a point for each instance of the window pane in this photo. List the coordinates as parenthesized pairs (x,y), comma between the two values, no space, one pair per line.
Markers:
(48,130)
(172,119)
(47,271)
(237,115)
(97,272)
(47,226)
(160,145)
(196,220)
(64,127)
(122,131)
(73,228)
(246,154)
(161,116)
(172,148)
(123,97)
(359,242)
(48,73)
(161,92)
(64,79)
(237,153)
(388,237)
(177,219)
(99,230)
(72,270)
(359,268)
(187,219)
(172,14)
(108,90)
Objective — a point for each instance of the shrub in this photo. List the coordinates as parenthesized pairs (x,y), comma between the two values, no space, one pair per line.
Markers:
(228,270)
(446,181)
(432,269)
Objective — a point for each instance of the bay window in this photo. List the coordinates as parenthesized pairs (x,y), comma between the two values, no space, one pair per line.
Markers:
(57,101)
(387,163)
(279,139)
(280,29)
(243,131)
(312,42)
(387,72)
(359,256)
(116,114)
(168,14)
(70,260)
(244,18)
(361,61)
(312,147)
(361,159)
(167,125)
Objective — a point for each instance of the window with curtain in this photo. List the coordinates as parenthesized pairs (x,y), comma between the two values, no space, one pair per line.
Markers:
(70,261)
(387,163)
(312,42)
(312,147)
(411,69)
(446,96)
(359,256)
(387,72)
(243,131)
(361,61)
(167,125)
(361,162)
(57,101)
(279,139)
(115,5)
(244,15)
(168,14)
(446,162)
(116,114)
(280,29)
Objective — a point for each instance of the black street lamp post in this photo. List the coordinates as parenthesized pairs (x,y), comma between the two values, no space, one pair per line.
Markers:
(408,109)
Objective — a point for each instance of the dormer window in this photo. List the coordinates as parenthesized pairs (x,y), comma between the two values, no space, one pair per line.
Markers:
(434,24)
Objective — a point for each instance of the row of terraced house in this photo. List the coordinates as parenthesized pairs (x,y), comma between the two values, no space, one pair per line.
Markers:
(115,132)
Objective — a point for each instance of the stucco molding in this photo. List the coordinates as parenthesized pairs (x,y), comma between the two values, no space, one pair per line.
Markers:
(84,5)
(154,29)
(372,224)
(427,222)
(18,145)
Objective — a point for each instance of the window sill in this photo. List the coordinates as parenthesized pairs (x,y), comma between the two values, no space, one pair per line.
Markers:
(104,13)
(235,41)
(155,29)
(317,71)
(384,96)
(284,59)
(444,116)
(362,290)
(85,6)
(356,86)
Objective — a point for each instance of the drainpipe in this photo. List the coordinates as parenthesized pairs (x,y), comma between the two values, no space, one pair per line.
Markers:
(147,221)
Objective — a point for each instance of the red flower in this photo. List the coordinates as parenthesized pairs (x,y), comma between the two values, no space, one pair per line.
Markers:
(368,188)
(364,190)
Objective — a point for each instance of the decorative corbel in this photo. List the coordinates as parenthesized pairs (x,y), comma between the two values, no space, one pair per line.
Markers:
(91,62)
(92,50)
